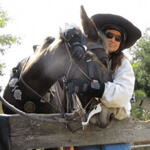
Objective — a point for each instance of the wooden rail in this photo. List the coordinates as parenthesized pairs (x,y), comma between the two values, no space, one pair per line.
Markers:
(26,133)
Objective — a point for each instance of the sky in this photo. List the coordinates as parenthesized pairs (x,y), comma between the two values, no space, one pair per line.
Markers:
(34,20)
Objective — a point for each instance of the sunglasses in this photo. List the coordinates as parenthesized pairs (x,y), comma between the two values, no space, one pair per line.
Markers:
(110,35)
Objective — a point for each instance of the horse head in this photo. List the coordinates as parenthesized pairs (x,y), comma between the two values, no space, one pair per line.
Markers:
(53,60)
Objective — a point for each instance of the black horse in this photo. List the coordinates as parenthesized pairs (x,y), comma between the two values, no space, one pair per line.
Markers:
(38,79)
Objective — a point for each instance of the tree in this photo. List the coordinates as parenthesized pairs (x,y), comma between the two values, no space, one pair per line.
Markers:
(6,40)
(141,62)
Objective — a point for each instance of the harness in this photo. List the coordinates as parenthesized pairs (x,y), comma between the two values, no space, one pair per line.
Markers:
(30,105)
(90,76)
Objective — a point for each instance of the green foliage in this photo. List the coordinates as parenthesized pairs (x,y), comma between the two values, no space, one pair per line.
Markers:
(3,18)
(139,95)
(141,62)
(137,110)
(139,113)
(6,40)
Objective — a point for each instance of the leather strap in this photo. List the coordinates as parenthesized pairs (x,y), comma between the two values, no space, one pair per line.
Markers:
(90,47)
(90,68)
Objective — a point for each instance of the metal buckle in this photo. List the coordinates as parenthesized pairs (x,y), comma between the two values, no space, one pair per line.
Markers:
(95,84)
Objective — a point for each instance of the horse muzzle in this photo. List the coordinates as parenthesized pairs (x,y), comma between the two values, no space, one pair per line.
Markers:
(103,118)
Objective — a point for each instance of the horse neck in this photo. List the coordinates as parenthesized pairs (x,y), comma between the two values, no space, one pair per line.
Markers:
(43,69)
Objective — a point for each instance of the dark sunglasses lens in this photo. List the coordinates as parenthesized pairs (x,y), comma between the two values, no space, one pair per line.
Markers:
(118,38)
(109,35)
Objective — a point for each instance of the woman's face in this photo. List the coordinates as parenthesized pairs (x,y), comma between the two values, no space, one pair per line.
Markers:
(114,39)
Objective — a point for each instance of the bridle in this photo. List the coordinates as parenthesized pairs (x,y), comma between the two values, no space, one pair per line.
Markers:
(90,75)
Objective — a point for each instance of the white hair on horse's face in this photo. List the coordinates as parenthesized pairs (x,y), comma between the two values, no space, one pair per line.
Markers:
(68,26)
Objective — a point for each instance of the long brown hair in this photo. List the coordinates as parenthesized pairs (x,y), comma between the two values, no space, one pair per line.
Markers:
(116,60)
(117,57)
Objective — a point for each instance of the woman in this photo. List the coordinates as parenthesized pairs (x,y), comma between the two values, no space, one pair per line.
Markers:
(121,34)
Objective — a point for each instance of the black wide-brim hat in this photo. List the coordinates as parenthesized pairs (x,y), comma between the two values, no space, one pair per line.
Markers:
(110,21)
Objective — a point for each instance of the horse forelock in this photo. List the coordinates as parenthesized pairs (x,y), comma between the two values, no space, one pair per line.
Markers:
(67,27)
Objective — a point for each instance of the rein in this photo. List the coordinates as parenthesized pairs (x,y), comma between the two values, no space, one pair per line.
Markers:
(73,62)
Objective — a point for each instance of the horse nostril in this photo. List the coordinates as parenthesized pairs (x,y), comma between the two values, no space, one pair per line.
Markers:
(111,116)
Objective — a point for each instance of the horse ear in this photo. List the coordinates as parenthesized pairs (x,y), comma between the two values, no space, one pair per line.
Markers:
(88,25)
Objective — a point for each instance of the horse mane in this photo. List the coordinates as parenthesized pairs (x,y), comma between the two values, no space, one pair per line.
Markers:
(49,40)
(66,27)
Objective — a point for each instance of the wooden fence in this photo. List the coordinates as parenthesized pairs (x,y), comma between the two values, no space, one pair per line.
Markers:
(26,133)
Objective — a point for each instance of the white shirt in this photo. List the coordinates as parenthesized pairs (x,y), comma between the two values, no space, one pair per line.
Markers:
(117,94)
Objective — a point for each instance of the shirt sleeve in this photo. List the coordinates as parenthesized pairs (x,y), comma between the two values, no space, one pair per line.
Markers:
(118,93)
